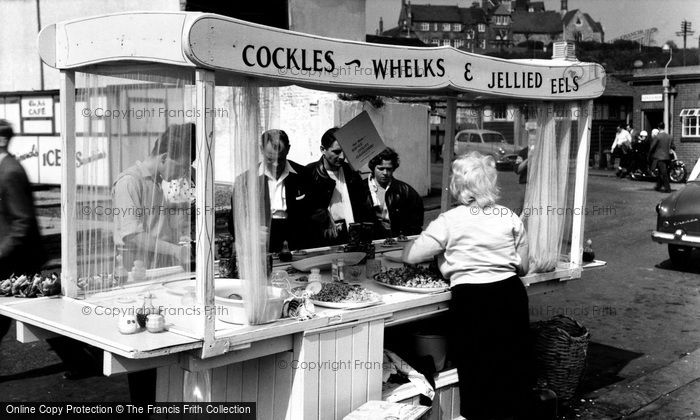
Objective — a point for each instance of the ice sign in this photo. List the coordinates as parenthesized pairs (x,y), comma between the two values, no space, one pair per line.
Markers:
(37,107)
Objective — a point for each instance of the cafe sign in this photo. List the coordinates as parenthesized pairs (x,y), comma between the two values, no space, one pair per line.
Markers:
(255,50)
(37,107)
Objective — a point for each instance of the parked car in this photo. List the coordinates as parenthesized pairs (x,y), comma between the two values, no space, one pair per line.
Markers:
(678,220)
(487,142)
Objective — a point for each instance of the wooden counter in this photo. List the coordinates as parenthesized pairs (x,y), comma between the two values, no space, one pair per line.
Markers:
(320,368)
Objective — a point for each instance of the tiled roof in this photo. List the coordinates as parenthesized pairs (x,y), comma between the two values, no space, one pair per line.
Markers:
(398,32)
(673,72)
(616,87)
(392,40)
(568,16)
(595,26)
(502,10)
(538,6)
(428,13)
(537,22)
(473,15)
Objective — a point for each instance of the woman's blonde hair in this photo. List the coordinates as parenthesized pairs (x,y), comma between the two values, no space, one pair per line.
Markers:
(474,178)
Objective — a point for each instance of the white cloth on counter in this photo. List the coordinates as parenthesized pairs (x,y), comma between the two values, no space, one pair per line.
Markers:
(393,364)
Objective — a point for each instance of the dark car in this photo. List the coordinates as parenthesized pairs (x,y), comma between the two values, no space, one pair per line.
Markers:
(678,220)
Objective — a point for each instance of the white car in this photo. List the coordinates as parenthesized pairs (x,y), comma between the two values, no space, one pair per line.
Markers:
(486,142)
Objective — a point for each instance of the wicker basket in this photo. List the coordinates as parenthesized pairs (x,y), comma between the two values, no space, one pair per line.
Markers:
(560,349)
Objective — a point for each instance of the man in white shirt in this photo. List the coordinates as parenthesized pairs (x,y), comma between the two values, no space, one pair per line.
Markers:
(284,183)
(622,143)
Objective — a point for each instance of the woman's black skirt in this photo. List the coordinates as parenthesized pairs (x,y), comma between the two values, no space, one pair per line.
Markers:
(490,346)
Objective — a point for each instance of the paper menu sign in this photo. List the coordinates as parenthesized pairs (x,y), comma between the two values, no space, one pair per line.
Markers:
(373,410)
(359,140)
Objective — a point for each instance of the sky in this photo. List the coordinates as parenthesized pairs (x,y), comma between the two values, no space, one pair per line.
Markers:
(618,17)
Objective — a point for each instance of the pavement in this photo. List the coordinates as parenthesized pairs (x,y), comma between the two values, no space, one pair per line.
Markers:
(671,392)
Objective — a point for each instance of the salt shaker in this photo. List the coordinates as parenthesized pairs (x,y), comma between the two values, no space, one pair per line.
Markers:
(128,323)
(315,275)
(155,323)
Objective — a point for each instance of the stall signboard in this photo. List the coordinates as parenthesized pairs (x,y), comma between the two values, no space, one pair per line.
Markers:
(254,50)
(359,140)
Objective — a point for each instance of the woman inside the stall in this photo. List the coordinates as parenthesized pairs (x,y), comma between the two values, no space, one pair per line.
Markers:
(483,250)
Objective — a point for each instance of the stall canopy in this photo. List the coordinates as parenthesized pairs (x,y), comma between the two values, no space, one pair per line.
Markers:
(236,47)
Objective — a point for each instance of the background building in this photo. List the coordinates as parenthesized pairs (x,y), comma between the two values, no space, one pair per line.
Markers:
(494,25)
(580,26)
(684,106)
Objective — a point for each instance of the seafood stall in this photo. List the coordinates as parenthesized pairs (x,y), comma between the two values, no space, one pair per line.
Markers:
(147,275)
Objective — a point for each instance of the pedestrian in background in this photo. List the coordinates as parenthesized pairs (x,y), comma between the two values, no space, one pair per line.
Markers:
(623,146)
(660,155)
(634,139)
(21,251)
(640,150)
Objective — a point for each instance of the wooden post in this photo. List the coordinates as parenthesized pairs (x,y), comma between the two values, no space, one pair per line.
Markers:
(448,152)
(204,94)
(581,182)
(69,238)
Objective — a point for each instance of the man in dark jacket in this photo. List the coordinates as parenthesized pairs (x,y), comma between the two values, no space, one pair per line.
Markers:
(20,244)
(283,185)
(338,194)
(660,155)
(397,206)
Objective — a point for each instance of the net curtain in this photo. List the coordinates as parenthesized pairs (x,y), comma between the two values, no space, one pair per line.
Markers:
(134,175)
(251,110)
(547,209)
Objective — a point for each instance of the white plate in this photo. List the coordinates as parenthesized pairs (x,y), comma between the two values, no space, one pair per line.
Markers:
(180,287)
(415,289)
(348,305)
(324,261)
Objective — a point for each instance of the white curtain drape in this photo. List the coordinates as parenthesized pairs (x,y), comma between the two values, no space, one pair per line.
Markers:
(120,117)
(546,200)
(254,110)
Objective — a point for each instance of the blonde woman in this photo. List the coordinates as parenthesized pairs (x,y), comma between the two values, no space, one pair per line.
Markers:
(483,250)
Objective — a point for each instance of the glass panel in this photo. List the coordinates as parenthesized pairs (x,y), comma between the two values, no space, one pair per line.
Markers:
(135,189)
